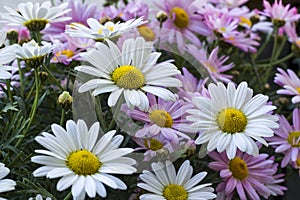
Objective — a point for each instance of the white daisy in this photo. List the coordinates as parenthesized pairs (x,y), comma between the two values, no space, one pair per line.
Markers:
(5,184)
(4,74)
(97,31)
(39,197)
(130,72)
(32,53)
(35,16)
(232,118)
(83,161)
(164,184)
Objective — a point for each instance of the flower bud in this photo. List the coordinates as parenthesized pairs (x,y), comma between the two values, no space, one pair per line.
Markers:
(65,100)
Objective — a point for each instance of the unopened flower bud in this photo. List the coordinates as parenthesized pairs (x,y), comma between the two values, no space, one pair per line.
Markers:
(65,100)
(43,75)
(283,100)
(12,36)
(267,86)
(161,16)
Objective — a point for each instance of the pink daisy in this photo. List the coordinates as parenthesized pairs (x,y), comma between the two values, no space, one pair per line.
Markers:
(290,82)
(183,22)
(279,13)
(191,86)
(159,147)
(243,40)
(79,13)
(287,138)
(212,63)
(221,23)
(66,52)
(163,117)
(250,176)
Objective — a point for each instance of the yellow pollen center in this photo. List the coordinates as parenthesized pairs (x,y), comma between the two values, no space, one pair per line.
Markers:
(210,67)
(298,162)
(244,20)
(181,17)
(36,24)
(83,162)
(231,120)
(128,77)
(110,28)
(175,192)
(67,52)
(294,139)
(298,88)
(223,29)
(146,32)
(153,144)
(238,168)
(162,118)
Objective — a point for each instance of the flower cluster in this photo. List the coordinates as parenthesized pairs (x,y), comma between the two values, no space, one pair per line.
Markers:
(146,99)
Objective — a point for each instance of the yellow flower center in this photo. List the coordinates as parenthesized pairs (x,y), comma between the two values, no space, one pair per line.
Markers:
(231,120)
(298,89)
(146,32)
(153,144)
(83,162)
(298,162)
(238,168)
(294,139)
(175,192)
(223,29)
(128,77)
(36,24)
(210,67)
(67,52)
(110,28)
(181,17)
(162,118)
(244,20)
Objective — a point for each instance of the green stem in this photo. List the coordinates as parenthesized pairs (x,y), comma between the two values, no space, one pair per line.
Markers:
(277,61)
(256,72)
(52,77)
(99,113)
(21,79)
(264,45)
(34,106)
(68,196)
(274,50)
(62,117)
(271,63)
(8,90)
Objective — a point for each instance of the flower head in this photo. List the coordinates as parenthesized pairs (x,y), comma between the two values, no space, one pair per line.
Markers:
(232,118)
(163,117)
(32,53)
(5,184)
(287,138)
(212,63)
(164,183)
(290,82)
(131,72)
(250,176)
(191,86)
(81,160)
(35,16)
(159,147)
(97,31)
(79,13)
(183,22)
(279,13)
